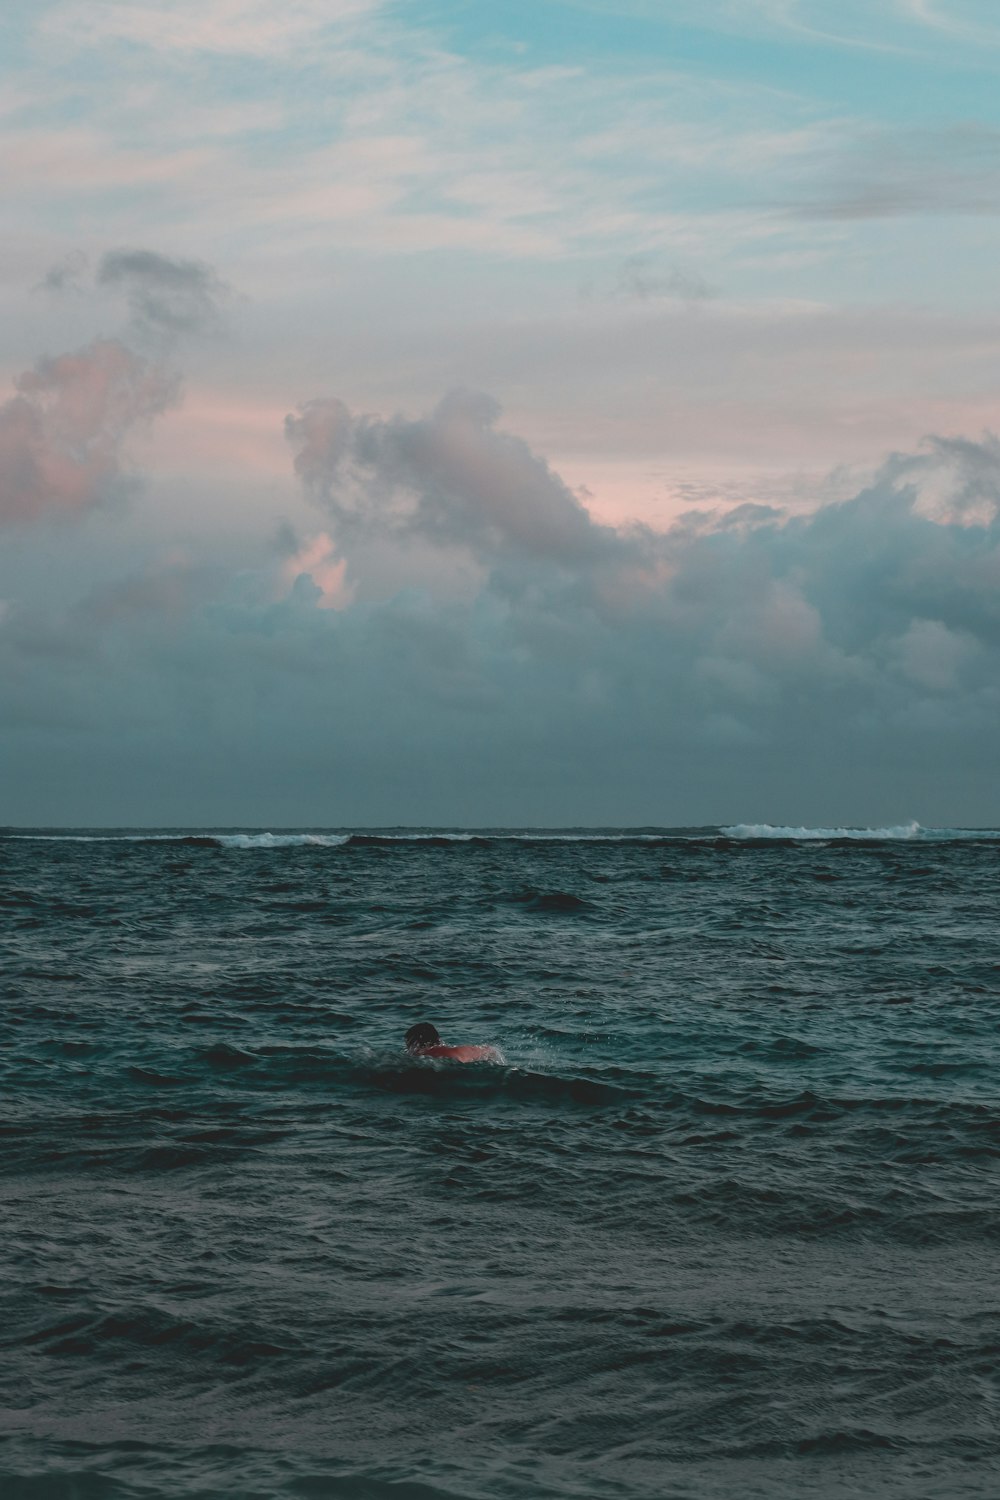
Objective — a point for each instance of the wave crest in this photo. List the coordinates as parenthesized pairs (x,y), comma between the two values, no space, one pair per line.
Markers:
(778,831)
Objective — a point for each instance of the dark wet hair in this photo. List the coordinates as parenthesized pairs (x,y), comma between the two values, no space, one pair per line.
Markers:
(422,1035)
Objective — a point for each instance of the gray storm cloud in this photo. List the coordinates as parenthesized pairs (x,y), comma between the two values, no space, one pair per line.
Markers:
(62,435)
(167,297)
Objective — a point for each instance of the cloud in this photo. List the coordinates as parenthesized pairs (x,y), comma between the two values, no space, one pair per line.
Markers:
(879,26)
(239,28)
(839,665)
(893,173)
(746,629)
(638,279)
(166,296)
(827,594)
(375,132)
(317,563)
(454,480)
(66,274)
(62,435)
(450,478)
(934,656)
(964,22)
(958,479)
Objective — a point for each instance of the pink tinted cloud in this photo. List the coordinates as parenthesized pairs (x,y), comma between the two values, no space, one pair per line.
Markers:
(61,436)
(317,559)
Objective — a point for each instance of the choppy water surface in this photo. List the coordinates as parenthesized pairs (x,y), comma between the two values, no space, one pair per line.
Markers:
(725,1224)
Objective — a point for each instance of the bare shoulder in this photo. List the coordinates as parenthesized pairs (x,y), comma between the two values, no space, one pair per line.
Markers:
(476,1054)
(465,1054)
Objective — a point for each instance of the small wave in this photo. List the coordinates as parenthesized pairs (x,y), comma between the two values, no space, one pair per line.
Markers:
(555,901)
(151,1326)
(193,840)
(223,1056)
(435,840)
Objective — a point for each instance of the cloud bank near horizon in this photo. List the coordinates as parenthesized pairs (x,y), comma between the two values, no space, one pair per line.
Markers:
(740,660)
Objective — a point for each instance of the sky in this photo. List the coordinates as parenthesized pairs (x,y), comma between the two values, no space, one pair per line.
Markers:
(568,412)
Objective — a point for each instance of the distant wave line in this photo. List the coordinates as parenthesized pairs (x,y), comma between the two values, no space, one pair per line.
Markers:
(737,832)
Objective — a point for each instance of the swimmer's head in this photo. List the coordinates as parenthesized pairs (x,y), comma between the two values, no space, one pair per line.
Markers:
(421,1036)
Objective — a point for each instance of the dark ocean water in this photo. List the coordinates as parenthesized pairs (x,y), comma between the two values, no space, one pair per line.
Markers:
(725,1224)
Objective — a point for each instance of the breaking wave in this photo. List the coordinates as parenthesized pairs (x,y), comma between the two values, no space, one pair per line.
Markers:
(279,840)
(905,831)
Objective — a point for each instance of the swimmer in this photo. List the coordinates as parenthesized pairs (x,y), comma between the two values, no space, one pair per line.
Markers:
(424,1040)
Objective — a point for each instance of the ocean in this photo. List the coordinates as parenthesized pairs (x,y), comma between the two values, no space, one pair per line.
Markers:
(723,1223)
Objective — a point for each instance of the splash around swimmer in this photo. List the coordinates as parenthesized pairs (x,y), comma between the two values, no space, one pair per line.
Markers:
(424,1040)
